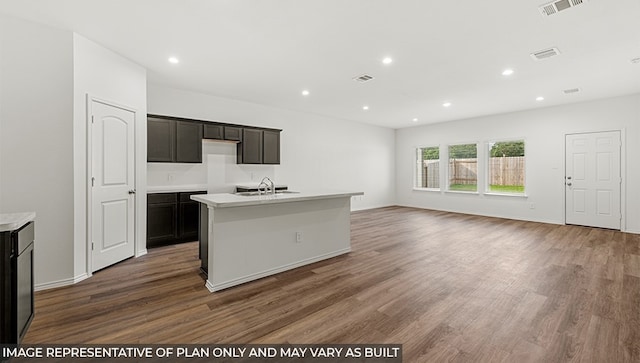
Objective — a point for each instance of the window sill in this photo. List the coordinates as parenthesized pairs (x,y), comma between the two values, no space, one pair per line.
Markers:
(516,195)
(461,192)
(427,190)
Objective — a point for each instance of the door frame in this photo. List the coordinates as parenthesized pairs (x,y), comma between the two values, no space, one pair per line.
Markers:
(89,103)
(623,172)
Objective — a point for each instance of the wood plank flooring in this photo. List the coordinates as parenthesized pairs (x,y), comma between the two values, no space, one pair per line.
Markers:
(449,287)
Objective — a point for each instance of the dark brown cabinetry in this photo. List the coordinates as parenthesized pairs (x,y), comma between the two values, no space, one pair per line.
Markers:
(188,142)
(16,283)
(171,218)
(161,136)
(175,141)
(233,133)
(222,132)
(214,132)
(250,150)
(259,146)
(271,147)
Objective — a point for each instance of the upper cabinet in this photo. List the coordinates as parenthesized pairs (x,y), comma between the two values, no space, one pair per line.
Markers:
(179,140)
(174,141)
(271,147)
(222,132)
(259,146)
(188,142)
(161,136)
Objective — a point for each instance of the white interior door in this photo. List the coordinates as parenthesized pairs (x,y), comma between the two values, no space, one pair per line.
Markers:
(592,179)
(113,198)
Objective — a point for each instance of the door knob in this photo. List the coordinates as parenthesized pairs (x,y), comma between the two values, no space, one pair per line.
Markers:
(132,191)
(569,184)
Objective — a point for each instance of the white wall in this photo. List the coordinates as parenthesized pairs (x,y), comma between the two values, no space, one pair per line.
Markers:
(36,142)
(543,131)
(105,75)
(316,152)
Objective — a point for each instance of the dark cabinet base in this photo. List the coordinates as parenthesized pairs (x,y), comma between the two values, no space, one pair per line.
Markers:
(171,218)
(16,283)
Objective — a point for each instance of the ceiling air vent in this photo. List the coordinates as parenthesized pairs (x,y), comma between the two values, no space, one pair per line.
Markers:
(558,6)
(571,91)
(544,54)
(363,78)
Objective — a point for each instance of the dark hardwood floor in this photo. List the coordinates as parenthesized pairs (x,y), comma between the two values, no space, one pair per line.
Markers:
(449,287)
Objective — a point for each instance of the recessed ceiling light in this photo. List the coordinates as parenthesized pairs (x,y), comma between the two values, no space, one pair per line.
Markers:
(446,104)
(365,107)
(174,60)
(507,72)
(387,60)
(305,92)
(540,98)
(415,120)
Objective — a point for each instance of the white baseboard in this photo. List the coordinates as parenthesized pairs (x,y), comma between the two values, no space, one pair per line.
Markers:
(61,283)
(141,253)
(241,280)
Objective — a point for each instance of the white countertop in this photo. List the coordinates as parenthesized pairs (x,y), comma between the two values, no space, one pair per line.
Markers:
(234,200)
(176,188)
(13,221)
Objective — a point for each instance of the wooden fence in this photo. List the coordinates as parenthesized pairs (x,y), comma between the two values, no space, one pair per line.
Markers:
(502,171)
(508,170)
(463,171)
(430,177)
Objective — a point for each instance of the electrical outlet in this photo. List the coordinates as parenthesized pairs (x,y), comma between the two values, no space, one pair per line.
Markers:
(298,237)
(532,205)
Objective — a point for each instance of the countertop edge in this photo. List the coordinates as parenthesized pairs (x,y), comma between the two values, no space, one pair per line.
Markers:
(267,199)
(176,188)
(13,221)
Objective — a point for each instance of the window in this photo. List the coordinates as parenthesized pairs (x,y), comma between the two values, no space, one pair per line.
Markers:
(505,168)
(428,167)
(463,167)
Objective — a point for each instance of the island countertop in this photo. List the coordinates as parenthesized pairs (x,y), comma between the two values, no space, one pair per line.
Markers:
(223,200)
(13,221)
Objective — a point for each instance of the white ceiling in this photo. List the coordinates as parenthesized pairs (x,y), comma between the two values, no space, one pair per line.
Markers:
(268,51)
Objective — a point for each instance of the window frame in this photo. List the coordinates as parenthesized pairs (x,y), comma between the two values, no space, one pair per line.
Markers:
(448,169)
(415,169)
(487,162)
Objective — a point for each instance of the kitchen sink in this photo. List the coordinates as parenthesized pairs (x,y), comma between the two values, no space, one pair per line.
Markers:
(250,194)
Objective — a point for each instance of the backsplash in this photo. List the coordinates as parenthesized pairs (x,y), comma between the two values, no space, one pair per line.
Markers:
(218,171)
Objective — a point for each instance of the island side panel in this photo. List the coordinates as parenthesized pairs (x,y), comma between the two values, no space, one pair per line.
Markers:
(203,238)
(250,242)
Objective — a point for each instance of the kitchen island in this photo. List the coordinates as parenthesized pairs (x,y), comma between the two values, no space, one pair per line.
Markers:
(244,237)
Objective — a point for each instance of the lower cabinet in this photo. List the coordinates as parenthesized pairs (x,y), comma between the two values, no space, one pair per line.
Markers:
(171,218)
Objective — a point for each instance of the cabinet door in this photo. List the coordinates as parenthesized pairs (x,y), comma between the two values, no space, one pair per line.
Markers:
(188,142)
(188,216)
(188,221)
(161,140)
(251,146)
(6,287)
(271,151)
(215,132)
(161,223)
(233,133)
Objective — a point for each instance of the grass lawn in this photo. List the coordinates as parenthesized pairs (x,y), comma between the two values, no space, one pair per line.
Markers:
(492,188)
(507,188)
(464,187)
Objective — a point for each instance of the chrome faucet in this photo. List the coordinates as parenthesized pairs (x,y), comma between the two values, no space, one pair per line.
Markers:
(268,185)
